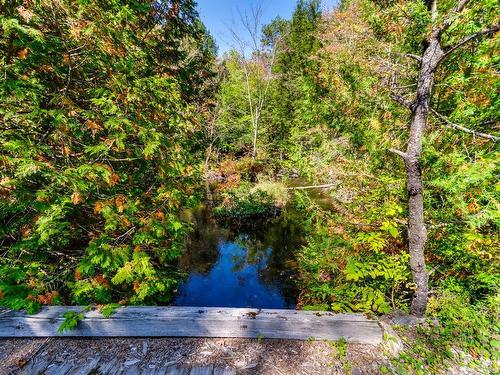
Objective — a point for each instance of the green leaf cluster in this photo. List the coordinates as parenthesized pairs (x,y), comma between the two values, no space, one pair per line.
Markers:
(102,106)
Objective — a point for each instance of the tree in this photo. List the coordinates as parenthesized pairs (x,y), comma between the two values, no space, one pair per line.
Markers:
(294,95)
(256,60)
(99,115)
(434,53)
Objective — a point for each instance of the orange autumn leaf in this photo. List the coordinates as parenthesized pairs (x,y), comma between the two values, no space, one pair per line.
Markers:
(473,207)
(137,286)
(47,298)
(67,59)
(25,231)
(76,198)
(23,53)
(93,126)
(97,207)
(125,222)
(120,203)
(114,179)
(101,280)
(78,275)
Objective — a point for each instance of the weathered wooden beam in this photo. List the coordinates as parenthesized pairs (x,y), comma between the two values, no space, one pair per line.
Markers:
(196,322)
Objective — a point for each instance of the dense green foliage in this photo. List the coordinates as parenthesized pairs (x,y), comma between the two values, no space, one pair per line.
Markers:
(100,147)
(110,110)
(330,116)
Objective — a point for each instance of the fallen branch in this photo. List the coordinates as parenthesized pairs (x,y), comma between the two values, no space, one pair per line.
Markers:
(310,187)
(464,129)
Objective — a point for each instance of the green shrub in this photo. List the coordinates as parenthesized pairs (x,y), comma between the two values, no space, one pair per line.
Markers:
(245,203)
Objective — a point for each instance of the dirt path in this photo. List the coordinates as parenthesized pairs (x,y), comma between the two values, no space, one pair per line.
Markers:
(185,356)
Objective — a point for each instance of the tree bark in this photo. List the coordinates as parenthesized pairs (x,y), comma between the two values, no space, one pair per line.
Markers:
(433,54)
(417,233)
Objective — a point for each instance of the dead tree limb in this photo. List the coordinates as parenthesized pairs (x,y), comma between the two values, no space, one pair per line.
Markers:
(450,124)
(467,39)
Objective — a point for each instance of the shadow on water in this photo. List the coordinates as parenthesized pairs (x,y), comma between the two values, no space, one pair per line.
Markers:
(250,266)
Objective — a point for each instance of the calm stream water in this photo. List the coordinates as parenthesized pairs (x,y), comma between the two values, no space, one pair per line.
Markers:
(244,267)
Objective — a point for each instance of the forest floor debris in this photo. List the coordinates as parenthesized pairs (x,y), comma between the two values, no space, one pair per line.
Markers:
(234,356)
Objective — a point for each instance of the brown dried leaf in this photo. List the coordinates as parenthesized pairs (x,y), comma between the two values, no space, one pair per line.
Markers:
(21,362)
(24,13)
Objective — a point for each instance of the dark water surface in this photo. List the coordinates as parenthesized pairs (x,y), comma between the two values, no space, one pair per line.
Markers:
(245,267)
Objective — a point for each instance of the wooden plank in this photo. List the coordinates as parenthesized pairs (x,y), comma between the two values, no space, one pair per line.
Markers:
(196,322)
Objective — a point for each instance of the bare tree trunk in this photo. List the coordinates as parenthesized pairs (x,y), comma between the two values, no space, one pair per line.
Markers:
(433,55)
(259,55)
(255,134)
(417,233)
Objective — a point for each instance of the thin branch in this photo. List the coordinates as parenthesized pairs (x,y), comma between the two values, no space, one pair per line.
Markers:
(311,187)
(405,103)
(414,57)
(461,5)
(458,9)
(400,153)
(491,30)
(464,129)
(434,10)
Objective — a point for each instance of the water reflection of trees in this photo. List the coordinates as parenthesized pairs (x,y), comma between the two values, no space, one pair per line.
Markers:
(272,248)
(202,245)
(269,246)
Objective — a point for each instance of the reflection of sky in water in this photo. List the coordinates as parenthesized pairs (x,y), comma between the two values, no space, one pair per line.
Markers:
(233,281)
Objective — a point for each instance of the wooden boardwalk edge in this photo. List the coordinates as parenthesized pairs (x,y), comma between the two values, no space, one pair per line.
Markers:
(173,321)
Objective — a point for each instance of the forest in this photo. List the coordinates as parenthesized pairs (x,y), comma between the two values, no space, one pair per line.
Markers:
(375,124)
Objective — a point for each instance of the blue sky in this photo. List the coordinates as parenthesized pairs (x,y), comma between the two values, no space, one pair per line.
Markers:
(219,15)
